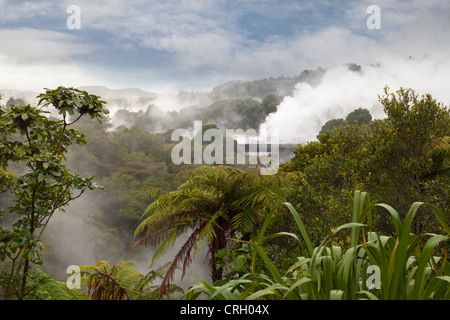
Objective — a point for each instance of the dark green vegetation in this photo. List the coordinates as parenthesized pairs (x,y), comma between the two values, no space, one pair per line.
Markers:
(42,183)
(304,233)
(231,113)
(218,203)
(360,116)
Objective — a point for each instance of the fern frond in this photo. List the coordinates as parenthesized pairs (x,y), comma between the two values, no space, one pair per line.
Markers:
(243,221)
(153,238)
(221,199)
(183,254)
(153,192)
(167,243)
(208,233)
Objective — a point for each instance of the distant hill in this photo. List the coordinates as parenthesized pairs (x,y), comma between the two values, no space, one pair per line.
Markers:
(27,96)
(135,99)
(258,89)
(108,93)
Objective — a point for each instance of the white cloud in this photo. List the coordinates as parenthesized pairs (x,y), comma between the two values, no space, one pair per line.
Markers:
(203,37)
(31,59)
(40,75)
(21,11)
(30,45)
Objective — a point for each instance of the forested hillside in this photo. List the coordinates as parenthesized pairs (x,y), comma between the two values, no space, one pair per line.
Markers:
(353,192)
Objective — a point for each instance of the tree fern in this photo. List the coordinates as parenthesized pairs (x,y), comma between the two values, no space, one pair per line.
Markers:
(73,294)
(45,287)
(440,155)
(215,203)
(123,281)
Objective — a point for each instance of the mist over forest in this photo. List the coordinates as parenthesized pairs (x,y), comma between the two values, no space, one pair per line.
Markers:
(224,150)
(130,151)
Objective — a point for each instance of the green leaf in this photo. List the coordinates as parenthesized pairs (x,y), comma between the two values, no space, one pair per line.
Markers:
(271,290)
(399,269)
(301,227)
(273,270)
(369,294)
(14,246)
(441,217)
(395,217)
(349,225)
(336,295)
(419,283)
(300,282)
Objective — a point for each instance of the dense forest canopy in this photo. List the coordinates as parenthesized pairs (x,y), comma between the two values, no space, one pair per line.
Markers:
(240,216)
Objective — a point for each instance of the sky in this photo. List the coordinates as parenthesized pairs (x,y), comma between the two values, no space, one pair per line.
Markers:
(198,44)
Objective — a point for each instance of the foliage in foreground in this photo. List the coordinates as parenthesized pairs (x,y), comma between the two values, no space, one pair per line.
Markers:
(40,286)
(100,282)
(215,204)
(375,266)
(398,160)
(33,146)
(123,282)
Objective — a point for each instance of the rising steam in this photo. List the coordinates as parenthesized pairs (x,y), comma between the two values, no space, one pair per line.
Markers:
(300,116)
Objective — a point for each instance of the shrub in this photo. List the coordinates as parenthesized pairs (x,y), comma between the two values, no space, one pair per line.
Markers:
(405,266)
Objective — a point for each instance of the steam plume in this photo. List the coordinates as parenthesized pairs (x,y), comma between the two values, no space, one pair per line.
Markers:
(300,116)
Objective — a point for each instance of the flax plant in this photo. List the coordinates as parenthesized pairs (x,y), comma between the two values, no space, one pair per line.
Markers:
(404,264)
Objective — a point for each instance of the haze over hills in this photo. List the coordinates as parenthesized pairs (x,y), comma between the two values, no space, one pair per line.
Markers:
(233,89)
(160,111)
(118,93)
(305,102)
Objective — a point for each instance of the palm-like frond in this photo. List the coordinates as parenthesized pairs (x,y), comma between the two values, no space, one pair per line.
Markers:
(183,256)
(440,154)
(146,290)
(243,221)
(106,282)
(153,192)
(215,202)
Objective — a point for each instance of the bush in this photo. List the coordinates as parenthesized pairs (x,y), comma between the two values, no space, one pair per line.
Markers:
(375,266)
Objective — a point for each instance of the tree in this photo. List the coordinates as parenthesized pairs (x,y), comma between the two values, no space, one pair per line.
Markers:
(11,101)
(270,103)
(122,282)
(331,124)
(400,159)
(214,205)
(41,183)
(360,115)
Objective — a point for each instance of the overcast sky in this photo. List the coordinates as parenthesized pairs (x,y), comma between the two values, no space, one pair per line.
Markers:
(198,44)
